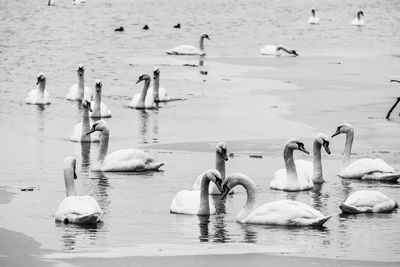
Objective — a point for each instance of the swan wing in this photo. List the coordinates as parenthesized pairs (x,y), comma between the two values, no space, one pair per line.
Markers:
(362,167)
(281,182)
(130,160)
(368,201)
(184,50)
(135,100)
(313,20)
(105,111)
(269,50)
(73,93)
(79,210)
(162,93)
(188,202)
(34,97)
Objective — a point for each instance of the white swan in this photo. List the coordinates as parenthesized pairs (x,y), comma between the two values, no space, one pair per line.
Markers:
(272,50)
(100,109)
(158,93)
(39,96)
(292,178)
(221,156)
(76,209)
(365,168)
(367,201)
(196,202)
(189,49)
(80,130)
(281,212)
(124,160)
(314,169)
(359,20)
(313,19)
(79,91)
(143,100)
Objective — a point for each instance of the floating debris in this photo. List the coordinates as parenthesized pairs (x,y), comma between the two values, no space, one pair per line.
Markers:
(256,156)
(120,29)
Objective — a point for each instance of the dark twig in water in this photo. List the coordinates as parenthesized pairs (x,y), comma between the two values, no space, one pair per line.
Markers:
(391,109)
(397,81)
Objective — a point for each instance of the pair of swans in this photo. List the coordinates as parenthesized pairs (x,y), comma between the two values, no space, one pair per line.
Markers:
(189,49)
(80,130)
(76,209)
(39,96)
(272,50)
(359,20)
(149,96)
(124,160)
(313,19)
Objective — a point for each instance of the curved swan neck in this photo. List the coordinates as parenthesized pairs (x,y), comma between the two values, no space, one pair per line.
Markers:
(317,164)
(220,164)
(281,47)
(156,87)
(144,90)
(251,197)
(347,148)
(204,208)
(81,86)
(289,163)
(85,125)
(105,134)
(69,182)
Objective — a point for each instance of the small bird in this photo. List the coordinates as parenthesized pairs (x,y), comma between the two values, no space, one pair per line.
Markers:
(177,26)
(120,29)
(145,27)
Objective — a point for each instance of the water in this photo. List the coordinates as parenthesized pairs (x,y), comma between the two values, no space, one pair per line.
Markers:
(34,140)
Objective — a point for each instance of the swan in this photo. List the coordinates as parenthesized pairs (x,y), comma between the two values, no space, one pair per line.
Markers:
(368,201)
(272,50)
(79,91)
(292,178)
(221,156)
(142,101)
(314,169)
(80,130)
(197,202)
(124,160)
(280,212)
(365,168)
(39,96)
(313,19)
(159,94)
(51,2)
(76,209)
(189,49)
(359,20)
(100,109)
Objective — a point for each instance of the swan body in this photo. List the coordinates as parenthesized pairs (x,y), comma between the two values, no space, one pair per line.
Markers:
(292,178)
(51,2)
(80,130)
(100,109)
(272,50)
(158,93)
(365,168)
(189,49)
(196,202)
(143,100)
(79,91)
(280,212)
(313,19)
(39,96)
(367,201)
(76,209)
(359,20)
(124,160)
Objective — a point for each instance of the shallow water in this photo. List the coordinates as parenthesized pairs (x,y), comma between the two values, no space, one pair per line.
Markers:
(223,105)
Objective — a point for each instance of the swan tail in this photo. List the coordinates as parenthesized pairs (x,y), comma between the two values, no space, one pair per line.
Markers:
(88,218)
(382,176)
(346,209)
(320,222)
(154,165)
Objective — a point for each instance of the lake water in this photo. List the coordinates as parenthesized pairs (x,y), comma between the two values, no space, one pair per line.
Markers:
(223,105)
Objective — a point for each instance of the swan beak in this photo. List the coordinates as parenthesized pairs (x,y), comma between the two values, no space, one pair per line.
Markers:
(75,176)
(326,146)
(138,81)
(336,133)
(226,157)
(218,183)
(304,150)
(38,81)
(91,131)
(225,191)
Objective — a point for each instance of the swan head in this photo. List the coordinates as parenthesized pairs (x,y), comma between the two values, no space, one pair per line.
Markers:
(70,166)
(222,150)
(98,86)
(313,12)
(156,71)
(144,77)
(40,78)
(233,180)
(323,139)
(215,176)
(296,144)
(205,36)
(359,14)
(99,126)
(294,53)
(86,104)
(343,128)
(80,70)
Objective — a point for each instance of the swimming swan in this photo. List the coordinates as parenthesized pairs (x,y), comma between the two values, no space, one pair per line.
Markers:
(292,178)
(272,50)
(221,156)
(143,100)
(367,201)
(314,169)
(197,202)
(100,109)
(79,91)
(158,93)
(39,96)
(359,20)
(365,168)
(189,49)
(281,212)
(313,19)
(76,209)
(80,130)
(124,160)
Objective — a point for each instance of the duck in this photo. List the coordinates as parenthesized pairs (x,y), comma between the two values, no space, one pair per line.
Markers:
(272,50)
(292,178)
(368,201)
(177,26)
(159,94)
(189,49)
(359,20)
(80,130)
(280,212)
(314,168)
(79,91)
(221,156)
(313,19)
(197,202)
(100,109)
(364,168)
(76,209)
(39,96)
(124,160)
(143,100)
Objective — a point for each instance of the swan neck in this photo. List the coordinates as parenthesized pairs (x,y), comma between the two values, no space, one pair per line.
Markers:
(97,103)
(347,148)
(204,208)
(289,164)
(105,134)
(144,90)
(317,164)
(251,191)
(42,86)
(69,182)
(85,125)
(220,165)
(201,44)
(156,87)
(81,86)
(281,47)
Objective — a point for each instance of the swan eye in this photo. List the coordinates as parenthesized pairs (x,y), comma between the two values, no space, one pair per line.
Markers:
(325,143)
(300,145)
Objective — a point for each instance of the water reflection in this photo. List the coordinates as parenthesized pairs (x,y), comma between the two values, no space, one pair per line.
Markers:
(203,70)
(204,221)
(319,198)
(219,227)
(99,189)
(148,126)
(78,235)
(85,153)
(249,234)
